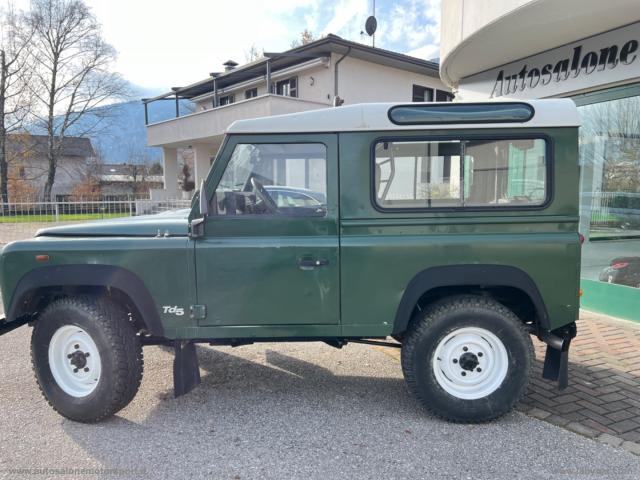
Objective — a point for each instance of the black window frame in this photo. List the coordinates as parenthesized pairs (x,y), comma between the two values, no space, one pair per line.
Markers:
(227,100)
(288,81)
(423,90)
(448,95)
(460,122)
(549,184)
(250,93)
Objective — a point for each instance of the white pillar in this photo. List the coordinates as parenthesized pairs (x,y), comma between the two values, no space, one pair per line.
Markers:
(201,162)
(170,169)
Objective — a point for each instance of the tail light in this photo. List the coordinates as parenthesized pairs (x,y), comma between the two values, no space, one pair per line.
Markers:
(581,238)
(619,265)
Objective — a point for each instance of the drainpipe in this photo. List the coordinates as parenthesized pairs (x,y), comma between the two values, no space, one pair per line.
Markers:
(175,90)
(146,111)
(269,76)
(337,101)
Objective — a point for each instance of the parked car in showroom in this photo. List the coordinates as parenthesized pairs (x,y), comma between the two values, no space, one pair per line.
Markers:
(623,271)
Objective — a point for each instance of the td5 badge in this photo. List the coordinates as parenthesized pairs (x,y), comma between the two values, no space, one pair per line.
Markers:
(175,310)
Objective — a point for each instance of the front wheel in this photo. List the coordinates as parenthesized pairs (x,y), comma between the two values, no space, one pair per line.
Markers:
(467,359)
(86,357)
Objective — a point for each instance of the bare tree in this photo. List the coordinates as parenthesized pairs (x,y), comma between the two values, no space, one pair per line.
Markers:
(72,74)
(254,53)
(306,37)
(14,76)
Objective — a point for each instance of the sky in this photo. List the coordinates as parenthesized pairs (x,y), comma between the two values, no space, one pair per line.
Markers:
(164,44)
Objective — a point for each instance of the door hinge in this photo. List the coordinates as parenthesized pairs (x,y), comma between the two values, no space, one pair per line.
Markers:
(198,311)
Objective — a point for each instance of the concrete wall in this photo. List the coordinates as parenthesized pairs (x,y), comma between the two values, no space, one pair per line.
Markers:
(361,81)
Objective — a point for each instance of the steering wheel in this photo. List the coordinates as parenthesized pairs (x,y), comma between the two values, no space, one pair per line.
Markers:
(261,192)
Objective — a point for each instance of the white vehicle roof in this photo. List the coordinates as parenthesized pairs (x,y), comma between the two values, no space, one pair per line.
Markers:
(375,116)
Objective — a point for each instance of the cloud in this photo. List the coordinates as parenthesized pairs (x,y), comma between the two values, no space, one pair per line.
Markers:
(163,44)
(426,52)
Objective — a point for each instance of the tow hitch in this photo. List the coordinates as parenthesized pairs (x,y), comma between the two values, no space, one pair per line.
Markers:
(556,359)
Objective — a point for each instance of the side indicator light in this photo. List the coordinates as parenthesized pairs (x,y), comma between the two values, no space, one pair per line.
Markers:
(580,293)
(42,258)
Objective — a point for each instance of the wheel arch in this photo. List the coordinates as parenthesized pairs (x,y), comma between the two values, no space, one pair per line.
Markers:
(38,286)
(455,279)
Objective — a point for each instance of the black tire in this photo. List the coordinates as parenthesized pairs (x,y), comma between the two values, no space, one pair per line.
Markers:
(445,318)
(119,349)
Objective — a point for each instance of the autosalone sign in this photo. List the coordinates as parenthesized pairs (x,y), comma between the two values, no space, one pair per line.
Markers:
(611,57)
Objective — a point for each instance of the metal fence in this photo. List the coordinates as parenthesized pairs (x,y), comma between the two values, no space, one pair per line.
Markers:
(20,220)
(615,209)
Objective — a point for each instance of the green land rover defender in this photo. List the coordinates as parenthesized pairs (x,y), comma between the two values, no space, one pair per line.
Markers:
(450,227)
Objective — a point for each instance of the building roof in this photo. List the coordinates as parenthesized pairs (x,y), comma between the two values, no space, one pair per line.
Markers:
(316,49)
(37,145)
(375,116)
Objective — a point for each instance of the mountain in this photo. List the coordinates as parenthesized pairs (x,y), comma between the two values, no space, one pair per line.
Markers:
(121,136)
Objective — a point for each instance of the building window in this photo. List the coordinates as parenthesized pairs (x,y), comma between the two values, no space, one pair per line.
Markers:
(422,94)
(227,99)
(461,173)
(288,87)
(251,93)
(442,96)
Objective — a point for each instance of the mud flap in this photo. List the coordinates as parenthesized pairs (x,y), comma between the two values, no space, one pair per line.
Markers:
(556,366)
(186,371)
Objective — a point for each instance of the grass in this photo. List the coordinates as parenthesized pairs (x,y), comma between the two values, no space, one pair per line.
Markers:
(63,217)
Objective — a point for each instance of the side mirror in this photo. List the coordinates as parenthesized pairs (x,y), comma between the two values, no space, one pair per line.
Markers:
(204,203)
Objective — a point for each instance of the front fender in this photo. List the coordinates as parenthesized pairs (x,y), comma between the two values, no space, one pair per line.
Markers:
(82,276)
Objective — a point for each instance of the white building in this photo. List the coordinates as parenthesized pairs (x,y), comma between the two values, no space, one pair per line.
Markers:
(587,50)
(327,72)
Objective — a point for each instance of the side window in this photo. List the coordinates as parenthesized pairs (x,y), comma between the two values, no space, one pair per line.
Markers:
(418,174)
(505,172)
(274,179)
(457,173)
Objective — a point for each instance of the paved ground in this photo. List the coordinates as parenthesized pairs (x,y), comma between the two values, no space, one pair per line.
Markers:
(603,397)
(282,411)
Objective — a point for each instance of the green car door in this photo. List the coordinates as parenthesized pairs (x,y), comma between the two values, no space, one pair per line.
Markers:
(269,259)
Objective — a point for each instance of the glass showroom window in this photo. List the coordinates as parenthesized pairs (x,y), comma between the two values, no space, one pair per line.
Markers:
(610,186)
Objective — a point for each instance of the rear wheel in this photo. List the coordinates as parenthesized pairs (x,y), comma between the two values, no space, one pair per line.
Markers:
(86,357)
(467,359)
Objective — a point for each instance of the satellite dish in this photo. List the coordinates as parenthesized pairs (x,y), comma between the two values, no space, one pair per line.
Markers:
(370,25)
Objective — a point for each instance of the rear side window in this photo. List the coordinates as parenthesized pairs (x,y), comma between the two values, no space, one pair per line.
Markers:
(460,173)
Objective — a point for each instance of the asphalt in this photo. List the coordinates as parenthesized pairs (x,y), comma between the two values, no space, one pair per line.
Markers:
(280,411)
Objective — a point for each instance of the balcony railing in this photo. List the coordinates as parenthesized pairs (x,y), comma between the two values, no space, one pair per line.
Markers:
(207,126)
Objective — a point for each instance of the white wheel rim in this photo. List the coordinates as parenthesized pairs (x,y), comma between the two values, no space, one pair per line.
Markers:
(74,361)
(470,363)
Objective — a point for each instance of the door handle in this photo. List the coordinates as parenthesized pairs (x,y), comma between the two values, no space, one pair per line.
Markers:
(311,263)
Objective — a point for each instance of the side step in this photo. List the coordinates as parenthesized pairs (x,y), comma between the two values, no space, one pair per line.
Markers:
(186,371)
(6,327)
